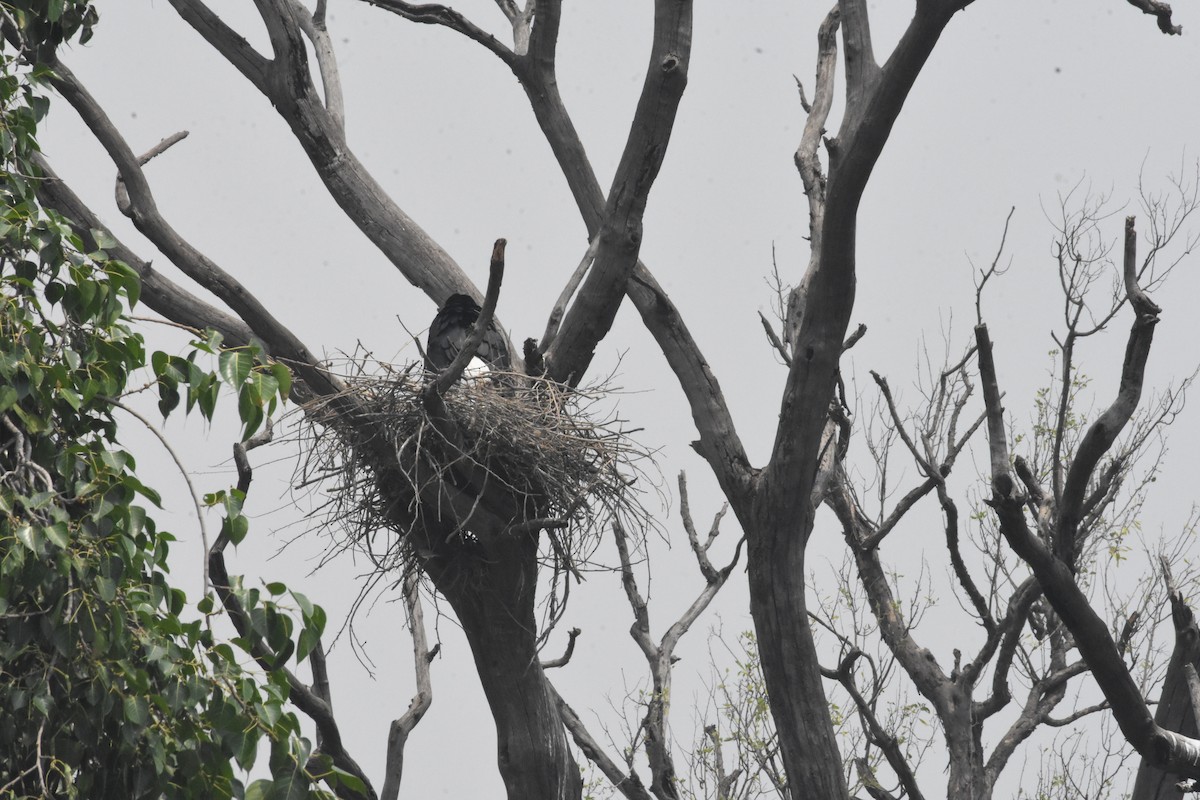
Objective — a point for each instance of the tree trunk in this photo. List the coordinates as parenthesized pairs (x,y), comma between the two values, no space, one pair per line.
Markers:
(493,596)
(967,779)
(789,657)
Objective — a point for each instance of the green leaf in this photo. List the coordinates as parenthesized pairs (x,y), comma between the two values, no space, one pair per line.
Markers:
(283,377)
(317,619)
(208,400)
(103,240)
(236,528)
(349,781)
(31,538)
(73,399)
(107,589)
(288,781)
(168,395)
(234,366)
(251,413)
(126,278)
(58,533)
(260,790)
(136,710)
(306,606)
(265,385)
(54,292)
(159,361)
(307,640)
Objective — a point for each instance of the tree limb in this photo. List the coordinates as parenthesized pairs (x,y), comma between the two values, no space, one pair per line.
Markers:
(1160,747)
(620,233)
(1162,12)
(149,221)
(401,240)
(158,293)
(228,42)
(437,14)
(306,699)
(1104,431)
(565,658)
(629,785)
(315,29)
(402,727)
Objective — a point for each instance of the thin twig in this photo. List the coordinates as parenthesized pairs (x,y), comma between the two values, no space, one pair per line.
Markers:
(182,471)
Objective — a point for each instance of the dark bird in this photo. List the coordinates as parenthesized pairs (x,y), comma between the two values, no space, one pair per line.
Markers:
(449,333)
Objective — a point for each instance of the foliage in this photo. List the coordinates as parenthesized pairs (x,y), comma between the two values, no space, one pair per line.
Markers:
(111,688)
(46,24)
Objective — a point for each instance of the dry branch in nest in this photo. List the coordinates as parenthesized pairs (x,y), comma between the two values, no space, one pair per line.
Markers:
(505,454)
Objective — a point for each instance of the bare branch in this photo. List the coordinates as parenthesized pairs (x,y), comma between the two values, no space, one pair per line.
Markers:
(446,378)
(158,293)
(436,14)
(660,656)
(146,217)
(1104,431)
(620,233)
(178,465)
(315,29)
(228,42)
(807,158)
(878,736)
(854,337)
(629,785)
(402,727)
(978,603)
(719,443)
(991,271)
(320,673)
(861,70)
(412,251)
(560,306)
(773,338)
(122,194)
(565,658)
(700,550)
(1075,716)
(310,701)
(1091,635)
(1001,476)
(1162,12)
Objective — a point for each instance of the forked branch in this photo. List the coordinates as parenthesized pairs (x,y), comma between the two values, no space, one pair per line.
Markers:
(402,727)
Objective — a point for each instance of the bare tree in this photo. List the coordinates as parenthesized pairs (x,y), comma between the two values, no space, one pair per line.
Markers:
(482,542)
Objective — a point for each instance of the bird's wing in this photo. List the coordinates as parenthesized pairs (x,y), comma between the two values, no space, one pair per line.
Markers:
(446,338)
(494,350)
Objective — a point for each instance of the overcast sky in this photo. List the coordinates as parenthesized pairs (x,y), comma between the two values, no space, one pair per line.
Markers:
(1022,101)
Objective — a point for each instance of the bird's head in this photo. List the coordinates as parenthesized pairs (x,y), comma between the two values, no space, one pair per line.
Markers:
(462,306)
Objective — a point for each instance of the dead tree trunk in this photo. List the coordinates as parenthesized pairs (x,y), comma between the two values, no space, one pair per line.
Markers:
(493,597)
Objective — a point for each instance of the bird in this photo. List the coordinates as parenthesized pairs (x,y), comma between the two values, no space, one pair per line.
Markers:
(449,333)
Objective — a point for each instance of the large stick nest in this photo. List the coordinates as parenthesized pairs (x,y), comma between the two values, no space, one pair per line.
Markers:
(536,454)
